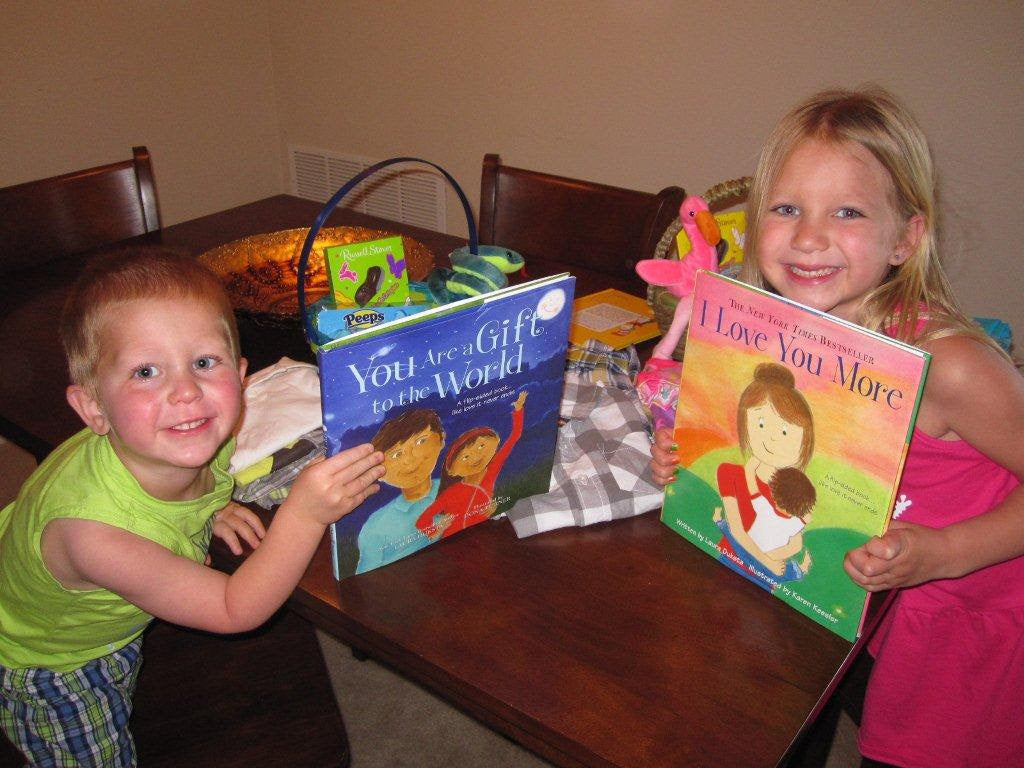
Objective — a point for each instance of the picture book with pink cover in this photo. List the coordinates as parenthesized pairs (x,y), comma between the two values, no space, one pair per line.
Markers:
(792,427)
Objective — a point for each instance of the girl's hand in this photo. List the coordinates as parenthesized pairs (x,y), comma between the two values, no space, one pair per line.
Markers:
(328,489)
(906,555)
(235,524)
(664,460)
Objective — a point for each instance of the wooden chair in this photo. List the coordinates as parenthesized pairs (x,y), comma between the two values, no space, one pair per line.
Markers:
(68,215)
(77,212)
(558,223)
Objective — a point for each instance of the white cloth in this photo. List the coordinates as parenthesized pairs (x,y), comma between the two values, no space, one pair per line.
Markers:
(280,404)
(770,529)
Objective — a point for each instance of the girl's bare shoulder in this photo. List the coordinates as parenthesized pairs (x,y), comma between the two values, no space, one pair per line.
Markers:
(962,367)
(973,393)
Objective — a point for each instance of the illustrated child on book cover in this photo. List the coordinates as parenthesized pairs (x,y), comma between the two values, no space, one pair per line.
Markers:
(776,431)
(468,475)
(411,444)
(778,525)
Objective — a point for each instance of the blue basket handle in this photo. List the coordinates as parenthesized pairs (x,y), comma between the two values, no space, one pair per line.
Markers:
(348,186)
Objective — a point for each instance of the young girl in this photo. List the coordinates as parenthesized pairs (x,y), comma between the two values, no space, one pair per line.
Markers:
(842,217)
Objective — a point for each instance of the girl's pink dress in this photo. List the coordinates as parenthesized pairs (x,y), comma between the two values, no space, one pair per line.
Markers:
(947,687)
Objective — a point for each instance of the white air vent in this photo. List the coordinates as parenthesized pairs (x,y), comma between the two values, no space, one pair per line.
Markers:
(409,193)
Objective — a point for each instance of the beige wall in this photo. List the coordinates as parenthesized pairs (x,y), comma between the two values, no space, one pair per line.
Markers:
(639,94)
(82,82)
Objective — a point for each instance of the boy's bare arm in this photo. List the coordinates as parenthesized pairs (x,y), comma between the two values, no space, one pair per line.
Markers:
(85,554)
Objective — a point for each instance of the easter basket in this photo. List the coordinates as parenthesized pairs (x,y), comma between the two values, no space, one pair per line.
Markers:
(720,197)
(302,289)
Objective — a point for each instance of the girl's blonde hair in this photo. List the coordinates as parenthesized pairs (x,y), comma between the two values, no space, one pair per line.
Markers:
(916,290)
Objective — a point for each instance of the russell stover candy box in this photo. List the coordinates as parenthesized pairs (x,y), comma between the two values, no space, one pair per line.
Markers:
(368,274)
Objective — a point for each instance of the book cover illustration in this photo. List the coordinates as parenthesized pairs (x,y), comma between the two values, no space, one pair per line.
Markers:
(614,317)
(370,273)
(463,402)
(792,429)
(733,227)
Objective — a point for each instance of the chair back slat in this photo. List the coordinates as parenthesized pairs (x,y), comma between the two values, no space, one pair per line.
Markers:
(77,212)
(572,222)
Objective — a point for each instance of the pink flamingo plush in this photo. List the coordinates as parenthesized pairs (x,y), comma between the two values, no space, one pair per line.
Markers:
(678,276)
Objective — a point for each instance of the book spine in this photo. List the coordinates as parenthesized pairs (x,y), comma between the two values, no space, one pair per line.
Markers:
(334,553)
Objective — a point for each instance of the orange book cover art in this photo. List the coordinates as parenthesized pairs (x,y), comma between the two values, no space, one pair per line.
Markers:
(614,317)
(793,427)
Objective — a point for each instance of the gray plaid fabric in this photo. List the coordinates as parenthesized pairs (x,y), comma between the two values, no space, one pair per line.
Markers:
(602,460)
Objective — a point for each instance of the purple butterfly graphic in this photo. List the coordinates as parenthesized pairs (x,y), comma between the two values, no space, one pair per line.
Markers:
(347,274)
(397,267)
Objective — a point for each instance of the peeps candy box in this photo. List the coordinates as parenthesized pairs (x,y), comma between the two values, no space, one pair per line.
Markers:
(333,322)
(368,274)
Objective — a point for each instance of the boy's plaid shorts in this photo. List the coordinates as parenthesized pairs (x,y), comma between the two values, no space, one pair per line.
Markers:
(75,718)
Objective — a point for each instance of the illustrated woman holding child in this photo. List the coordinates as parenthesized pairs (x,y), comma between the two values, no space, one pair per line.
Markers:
(842,217)
(776,432)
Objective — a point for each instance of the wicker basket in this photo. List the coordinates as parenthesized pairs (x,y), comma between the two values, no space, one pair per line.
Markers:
(260,271)
(723,195)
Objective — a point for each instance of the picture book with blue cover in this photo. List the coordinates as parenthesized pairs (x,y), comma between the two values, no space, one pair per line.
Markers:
(462,400)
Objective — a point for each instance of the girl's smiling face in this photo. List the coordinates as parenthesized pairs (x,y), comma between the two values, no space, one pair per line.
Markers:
(831,231)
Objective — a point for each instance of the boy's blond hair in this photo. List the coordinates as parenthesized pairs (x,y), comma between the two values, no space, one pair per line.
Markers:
(129,274)
(875,120)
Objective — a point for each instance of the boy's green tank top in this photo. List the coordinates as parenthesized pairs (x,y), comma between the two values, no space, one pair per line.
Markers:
(42,624)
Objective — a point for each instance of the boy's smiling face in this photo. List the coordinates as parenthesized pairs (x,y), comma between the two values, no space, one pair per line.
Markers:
(167,391)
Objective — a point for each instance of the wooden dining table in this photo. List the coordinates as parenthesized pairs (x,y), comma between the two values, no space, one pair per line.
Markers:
(616,644)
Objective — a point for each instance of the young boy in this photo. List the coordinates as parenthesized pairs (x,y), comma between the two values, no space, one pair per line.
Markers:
(113,528)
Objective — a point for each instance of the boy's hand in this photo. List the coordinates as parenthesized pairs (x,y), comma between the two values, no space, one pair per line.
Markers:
(664,460)
(906,555)
(328,489)
(235,522)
